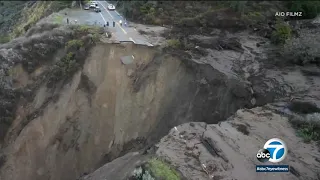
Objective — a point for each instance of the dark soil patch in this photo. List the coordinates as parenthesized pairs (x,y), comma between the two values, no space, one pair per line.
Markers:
(303,107)
(242,128)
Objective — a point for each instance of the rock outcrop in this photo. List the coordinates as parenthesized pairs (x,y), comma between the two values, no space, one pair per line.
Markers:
(228,150)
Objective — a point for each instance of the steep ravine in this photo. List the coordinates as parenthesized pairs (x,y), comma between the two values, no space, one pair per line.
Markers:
(108,108)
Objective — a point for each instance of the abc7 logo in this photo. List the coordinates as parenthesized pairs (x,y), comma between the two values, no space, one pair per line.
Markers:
(263,155)
(274,150)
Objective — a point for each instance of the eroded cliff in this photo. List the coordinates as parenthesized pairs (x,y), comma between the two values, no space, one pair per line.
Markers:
(122,97)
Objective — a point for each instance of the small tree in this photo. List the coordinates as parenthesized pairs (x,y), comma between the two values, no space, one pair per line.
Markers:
(281,33)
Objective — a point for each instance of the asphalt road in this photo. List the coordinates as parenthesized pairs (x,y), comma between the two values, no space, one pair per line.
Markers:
(121,33)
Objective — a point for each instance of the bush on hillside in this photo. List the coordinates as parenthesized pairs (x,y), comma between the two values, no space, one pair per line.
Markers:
(63,69)
(303,49)
(76,51)
(41,28)
(254,17)
(308,126)
(81,30)
(35,12)
(4,39)
(173,43)
(155,169)
(161,170)
(10,13)
(75,44)
(281,33)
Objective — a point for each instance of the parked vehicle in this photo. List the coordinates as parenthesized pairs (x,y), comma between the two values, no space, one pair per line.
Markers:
(86,7)
(93,4)
(111,7)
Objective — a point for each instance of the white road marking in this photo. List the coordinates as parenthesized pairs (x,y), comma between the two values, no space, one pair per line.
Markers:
(132,40)
(113,18)
(106,10)
(121,28)
(118,23)
(105,22)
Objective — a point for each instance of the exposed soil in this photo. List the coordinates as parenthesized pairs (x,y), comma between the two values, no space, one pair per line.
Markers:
(104,112)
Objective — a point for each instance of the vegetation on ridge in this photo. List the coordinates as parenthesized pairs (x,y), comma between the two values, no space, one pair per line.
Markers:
(308,126)
(32,52)
(76,52)
(17,17)
(34,11)
(155,169)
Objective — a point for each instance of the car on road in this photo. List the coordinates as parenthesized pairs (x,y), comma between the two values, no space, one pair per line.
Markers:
(111,7)
(97,9)
(93,4)
(86,7)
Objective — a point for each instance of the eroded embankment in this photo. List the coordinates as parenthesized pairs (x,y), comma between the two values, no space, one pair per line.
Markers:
(109,108)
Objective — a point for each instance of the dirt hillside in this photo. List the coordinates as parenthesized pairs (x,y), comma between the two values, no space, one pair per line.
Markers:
(70,125)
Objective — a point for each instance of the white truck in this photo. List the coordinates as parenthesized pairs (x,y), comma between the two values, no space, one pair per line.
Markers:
(93,4)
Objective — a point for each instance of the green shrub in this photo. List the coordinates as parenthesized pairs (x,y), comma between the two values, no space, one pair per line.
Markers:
(87,29)
(161,170)
(308,133)
(281,33)
(253,17)
(64,68)
(147,8)
(173,43)
(31,15)
(68,64)
(75,43)
(96,37)
(309,9)
(308,127)
(58,19)
(4,39)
